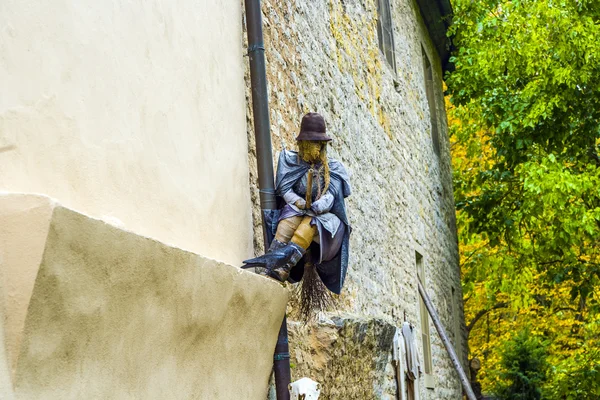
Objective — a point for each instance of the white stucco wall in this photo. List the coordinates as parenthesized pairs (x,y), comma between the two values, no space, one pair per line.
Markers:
(131,110)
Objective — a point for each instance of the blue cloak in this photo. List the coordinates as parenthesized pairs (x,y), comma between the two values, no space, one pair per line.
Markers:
(292,168)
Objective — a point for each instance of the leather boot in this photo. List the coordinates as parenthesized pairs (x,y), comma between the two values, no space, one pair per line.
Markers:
(278,262)
(275,245)
(282,273)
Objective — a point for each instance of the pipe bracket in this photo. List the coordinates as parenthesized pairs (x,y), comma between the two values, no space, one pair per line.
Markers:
(267,199)
(281,356)
(255,47)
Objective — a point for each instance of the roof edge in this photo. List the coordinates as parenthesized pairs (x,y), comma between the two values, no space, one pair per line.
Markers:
(437,15)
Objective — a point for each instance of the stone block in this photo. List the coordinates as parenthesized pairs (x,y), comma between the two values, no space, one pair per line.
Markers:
(349,356)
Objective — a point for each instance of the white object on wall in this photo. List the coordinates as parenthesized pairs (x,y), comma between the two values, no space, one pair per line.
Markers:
(399,357)
(305,389)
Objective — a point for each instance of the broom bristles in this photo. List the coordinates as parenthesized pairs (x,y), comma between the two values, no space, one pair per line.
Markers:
(314,295)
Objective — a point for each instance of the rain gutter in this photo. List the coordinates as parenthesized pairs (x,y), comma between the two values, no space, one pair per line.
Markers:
(264,158)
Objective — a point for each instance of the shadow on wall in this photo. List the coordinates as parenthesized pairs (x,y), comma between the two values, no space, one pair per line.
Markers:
(7,148)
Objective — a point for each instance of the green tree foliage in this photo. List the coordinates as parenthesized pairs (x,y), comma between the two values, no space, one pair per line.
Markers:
(524,366)
(525,126)
(577,377)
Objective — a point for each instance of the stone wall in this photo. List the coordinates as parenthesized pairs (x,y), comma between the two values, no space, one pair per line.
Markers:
(350,356)
(323,56)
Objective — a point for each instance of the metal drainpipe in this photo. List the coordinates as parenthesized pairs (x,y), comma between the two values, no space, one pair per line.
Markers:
(264,158)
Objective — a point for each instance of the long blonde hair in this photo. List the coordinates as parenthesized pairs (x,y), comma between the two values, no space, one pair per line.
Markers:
(306,147)
(314,294)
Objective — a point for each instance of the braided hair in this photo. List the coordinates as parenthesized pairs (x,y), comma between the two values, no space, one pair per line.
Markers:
(307,151)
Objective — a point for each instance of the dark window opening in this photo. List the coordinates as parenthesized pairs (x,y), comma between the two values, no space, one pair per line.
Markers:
(424,314)
(457,327)
(430,92)
(385,32)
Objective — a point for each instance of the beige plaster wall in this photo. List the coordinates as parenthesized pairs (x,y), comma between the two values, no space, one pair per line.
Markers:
(114,315)
(24,223)
(132,110)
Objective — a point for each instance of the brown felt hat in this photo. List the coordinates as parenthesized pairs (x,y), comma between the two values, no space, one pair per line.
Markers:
(313,128)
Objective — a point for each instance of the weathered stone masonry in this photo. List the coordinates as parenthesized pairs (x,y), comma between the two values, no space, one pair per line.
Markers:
(323,55)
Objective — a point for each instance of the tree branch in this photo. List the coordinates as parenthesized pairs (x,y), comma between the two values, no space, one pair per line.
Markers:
(482,313)
(594,155)
(474,252)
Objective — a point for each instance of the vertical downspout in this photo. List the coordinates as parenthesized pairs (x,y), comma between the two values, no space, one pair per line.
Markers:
(260,108)
(264,158)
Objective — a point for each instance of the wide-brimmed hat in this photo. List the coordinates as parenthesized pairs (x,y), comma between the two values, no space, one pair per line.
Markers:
(313,128)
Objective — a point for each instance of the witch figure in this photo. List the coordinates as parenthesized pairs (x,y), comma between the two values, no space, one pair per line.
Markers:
(311,230)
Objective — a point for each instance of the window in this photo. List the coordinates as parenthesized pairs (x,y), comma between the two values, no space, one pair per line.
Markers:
(457,328)
(385,32)
(425,338)
(430,92)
